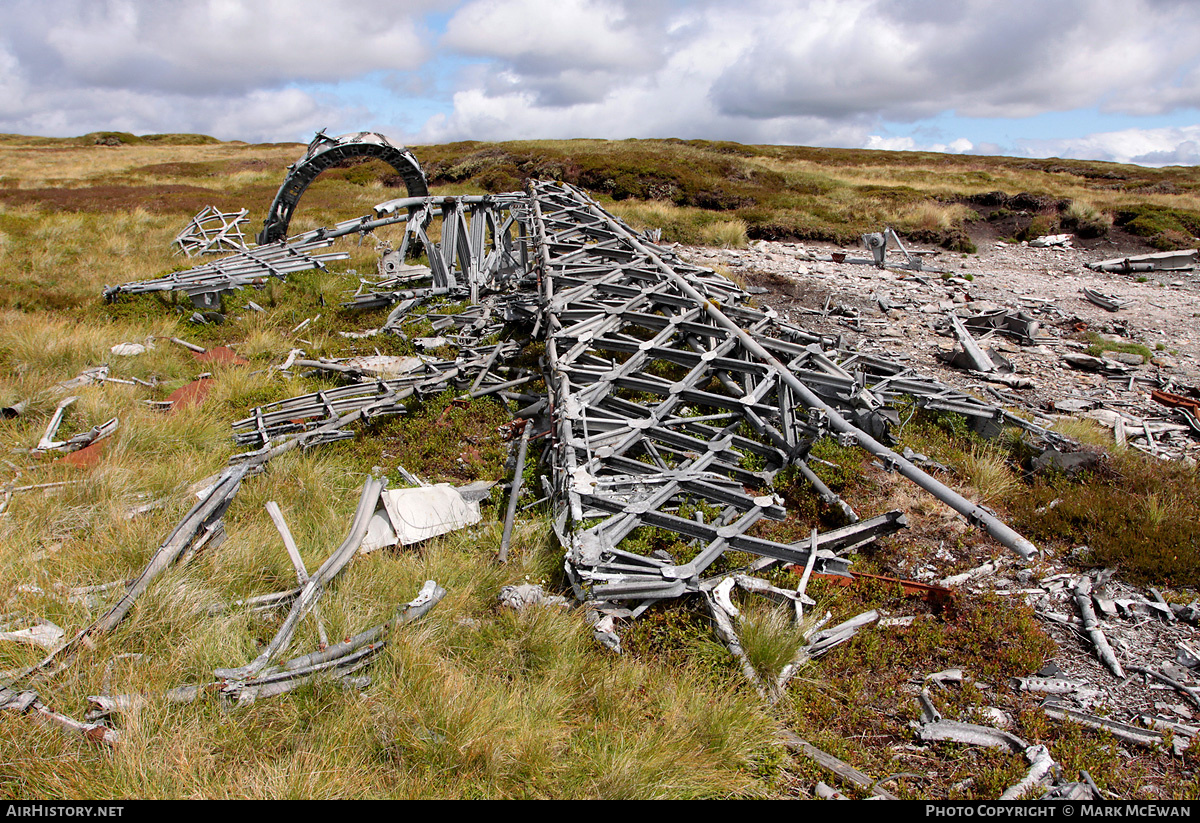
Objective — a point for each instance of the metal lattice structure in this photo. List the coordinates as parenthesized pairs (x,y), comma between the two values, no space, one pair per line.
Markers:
(383,397)
(666,390)
(670,402)
(212,231)
(249,267)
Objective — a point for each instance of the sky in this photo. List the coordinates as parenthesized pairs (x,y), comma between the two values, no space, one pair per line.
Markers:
(1111,80)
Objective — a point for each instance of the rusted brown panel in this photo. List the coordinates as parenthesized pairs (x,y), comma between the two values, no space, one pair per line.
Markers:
(86,457)
(193,394)
(221,355)
(938,597)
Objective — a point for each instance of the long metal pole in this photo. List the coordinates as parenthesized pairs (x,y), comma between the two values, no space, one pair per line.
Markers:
(514,491)
(974,513)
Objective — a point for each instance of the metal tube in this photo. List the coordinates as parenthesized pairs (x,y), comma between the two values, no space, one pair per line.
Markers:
(515,491)
(974,513)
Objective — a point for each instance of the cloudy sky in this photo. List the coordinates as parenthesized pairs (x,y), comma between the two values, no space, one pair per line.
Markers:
(1097,79)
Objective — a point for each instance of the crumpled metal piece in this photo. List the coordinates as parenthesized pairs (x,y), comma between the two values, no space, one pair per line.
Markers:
(526,595)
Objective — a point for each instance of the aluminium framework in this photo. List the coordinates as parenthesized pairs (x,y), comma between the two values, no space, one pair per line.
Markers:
(665,391)
(671,403)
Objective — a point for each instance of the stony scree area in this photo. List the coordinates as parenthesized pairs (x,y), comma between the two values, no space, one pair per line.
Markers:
(1161,312)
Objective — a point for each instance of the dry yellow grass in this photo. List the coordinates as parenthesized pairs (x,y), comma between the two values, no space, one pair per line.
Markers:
(988,473)
(930,216)
(935,181)
(38,166)
(471,701)
(729,234)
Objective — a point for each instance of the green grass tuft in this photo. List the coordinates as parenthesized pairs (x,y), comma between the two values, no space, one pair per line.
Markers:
(473,701)
(1100,344)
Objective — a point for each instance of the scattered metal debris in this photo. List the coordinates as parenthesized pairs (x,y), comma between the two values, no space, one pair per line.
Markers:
(1041,768)
(40,633)
(833,764)
(75,442)
(212,232)
(28,701)
(937,596)
(972,355)
(1104,301)
(1122,731)
(877,244)
(612,306)
(10,489)
(189,394)
(514,490)
(1162,261)
(314,587)
(1044,775)
(669,403)
(1187,408)
(131,349)
(1092,627)
(428,511)
(15,409)
(197,527)
(249,267)
(971,734)
(339,659)
(293,551)
(87,377)
(519,598)
(1048,240)
(1016,324)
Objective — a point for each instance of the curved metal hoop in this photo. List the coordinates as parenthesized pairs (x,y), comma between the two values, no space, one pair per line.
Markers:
(325,152)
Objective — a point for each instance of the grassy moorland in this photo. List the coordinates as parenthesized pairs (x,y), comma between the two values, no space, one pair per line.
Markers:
(472,701)
(781,192)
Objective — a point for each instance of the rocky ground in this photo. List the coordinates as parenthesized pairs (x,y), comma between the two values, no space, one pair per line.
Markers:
(902,315)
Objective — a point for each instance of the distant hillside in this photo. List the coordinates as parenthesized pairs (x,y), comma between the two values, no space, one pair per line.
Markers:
(783,192)
(695,190)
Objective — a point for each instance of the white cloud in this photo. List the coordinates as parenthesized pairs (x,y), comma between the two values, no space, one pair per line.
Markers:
(905,60)
(826,72)
(14,90)
(673,101)
(538,36)
(69,66)
(562,52)
(830,72)
(960,145)
(1147,147)
(207,46)
(262,115)
(890,143)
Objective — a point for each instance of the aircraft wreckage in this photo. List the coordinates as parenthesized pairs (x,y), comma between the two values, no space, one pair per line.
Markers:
(670,402)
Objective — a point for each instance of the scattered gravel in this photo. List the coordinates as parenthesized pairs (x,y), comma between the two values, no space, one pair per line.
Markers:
(902,315)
